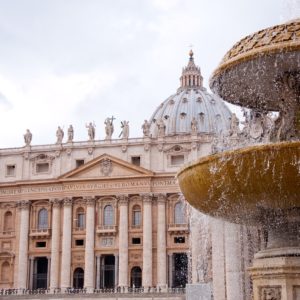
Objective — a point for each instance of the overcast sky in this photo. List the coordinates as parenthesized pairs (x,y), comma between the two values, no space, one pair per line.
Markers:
(74,61)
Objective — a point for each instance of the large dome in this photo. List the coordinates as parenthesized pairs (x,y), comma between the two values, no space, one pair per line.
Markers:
(191,101)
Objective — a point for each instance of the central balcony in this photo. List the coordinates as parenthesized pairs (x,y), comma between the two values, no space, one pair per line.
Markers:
(178,228)
(40,233)
(107,229)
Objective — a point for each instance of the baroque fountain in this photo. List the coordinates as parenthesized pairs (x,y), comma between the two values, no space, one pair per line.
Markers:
(259,184)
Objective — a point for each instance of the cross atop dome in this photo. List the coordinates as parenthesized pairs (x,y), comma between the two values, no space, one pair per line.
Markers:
(191,75)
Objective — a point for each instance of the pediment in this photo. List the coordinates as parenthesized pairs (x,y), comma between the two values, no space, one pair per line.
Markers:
(106,166)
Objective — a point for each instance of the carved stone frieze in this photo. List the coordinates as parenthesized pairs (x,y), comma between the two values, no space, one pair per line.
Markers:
(56,202)
(23,204)
(67,201)
(146,146)
(90,150)
(161,198)
(90,201)
(177,149)
(42,159)
(160,147)
(69,151)
(8,205)
(147,197)
(106,166)
(26,155)
(270,293)
(123,199)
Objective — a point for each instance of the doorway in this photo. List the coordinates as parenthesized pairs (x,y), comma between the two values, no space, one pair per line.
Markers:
(78,278)
(40,273)
(108,271)
(136,277)
(180,270)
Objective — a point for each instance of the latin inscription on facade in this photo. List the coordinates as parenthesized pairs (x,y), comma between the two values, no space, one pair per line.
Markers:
(87,186)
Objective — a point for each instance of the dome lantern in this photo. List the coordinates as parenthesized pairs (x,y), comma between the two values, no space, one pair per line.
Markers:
(191,75)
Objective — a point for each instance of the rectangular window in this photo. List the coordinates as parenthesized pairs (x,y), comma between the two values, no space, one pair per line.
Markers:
(80,221)
(137,218)
(10,170)
(42,167)
(79,162)
(79,242)
(136,160)
(179,240)
(40,244)
(177,160)
(136,241)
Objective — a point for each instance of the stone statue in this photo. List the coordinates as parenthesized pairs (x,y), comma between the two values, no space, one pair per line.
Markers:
(91,131)
(125,129)
(234,126)
(109,127)
(268,126)
(194,126)
(59,135)
(161,128)
(146,128)
(28,137)
(70,133)
(256,127)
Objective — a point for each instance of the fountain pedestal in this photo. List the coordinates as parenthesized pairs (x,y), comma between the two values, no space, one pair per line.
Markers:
(276,278)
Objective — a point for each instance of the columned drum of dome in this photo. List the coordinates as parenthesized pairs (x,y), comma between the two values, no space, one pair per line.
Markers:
(191,102)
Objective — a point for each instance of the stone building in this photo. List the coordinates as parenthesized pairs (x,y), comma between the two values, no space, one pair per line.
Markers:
(106,213)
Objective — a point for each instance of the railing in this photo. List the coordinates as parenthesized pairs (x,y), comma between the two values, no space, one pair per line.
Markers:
(136,226)
(178,227)
(119,290)
(8,232)
(107,229)
(79,229)
(40,232)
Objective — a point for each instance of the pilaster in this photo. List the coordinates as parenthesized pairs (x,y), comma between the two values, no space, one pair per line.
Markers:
(65,277)
(55,241)
(89,244)
(123,241)
(161,242)
(23,244)
(147,241)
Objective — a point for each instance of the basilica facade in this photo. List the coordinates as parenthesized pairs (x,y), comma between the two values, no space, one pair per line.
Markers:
(99,214)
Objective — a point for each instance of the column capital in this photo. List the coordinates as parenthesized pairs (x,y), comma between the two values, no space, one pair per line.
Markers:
(67,201)
(161,198)
(56,202)
(147,197)
(123,199)
(23,204)
(90,201)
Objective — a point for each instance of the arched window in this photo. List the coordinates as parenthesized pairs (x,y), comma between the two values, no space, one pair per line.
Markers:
(78,278)
(43,219)
(80,218)
(5,272)
(136,215)
(108,215)
(179,213)
(8,221)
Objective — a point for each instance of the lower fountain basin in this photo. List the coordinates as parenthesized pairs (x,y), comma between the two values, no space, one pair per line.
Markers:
(245,185)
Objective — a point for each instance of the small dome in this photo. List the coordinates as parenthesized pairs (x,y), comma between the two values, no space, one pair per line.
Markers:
(191,102)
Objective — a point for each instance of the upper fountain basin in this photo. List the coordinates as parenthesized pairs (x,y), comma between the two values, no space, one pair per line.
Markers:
(243,185)
(248,73)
